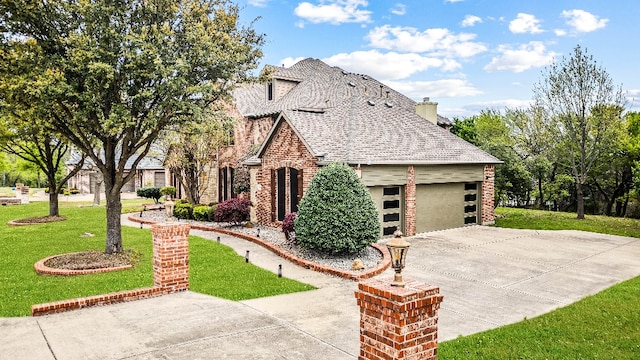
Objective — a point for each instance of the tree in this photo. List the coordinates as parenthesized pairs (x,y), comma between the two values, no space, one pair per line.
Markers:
(336,214)
(192,149)
(22,134)
(115,74)
(581,105)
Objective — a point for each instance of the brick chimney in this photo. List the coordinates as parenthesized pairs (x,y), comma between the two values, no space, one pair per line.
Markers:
(428,110)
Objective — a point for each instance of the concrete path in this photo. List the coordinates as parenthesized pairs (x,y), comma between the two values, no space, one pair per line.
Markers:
(488,276)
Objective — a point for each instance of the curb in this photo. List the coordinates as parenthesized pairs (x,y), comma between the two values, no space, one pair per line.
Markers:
(379,269)
(42,269)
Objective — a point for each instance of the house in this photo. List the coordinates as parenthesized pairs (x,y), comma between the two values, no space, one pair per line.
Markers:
(150,172)
(420,176)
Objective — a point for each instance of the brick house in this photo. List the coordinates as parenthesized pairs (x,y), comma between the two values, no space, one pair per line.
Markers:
(420,176)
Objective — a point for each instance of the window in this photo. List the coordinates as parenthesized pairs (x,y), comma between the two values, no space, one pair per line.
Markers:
(270,91)
(470,203)
(391,191)
(391,210)
(391,204)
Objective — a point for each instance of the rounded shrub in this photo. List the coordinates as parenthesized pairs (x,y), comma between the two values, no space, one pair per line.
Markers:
(168,191)
(149,193)
(183,210)
(233,210)
(201,213)
(336,214)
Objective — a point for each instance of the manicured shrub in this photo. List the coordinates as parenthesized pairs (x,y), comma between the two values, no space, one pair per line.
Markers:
(149,193)
(288,226)
(183,210)
(169,191)
(201,213)
(336,214)
(233,211)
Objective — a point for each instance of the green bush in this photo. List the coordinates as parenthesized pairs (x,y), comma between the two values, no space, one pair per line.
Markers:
(149,193)
(183,210)
(168,191)
(201,213)
(336,214)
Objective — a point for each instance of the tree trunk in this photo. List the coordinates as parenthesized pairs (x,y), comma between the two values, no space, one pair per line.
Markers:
(96,192)
(541,195)
(53,201)
(579,200)
(114,229)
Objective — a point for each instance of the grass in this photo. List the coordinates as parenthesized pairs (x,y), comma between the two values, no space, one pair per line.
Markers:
(215,269)
(551,220)
(601,326)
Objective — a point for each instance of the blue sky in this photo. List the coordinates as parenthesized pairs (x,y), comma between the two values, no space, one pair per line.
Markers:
(467,55)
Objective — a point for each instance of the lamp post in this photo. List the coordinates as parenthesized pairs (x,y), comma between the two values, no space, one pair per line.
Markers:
(398,249)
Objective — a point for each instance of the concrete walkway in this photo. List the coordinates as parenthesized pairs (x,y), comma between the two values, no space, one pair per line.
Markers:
(488,276)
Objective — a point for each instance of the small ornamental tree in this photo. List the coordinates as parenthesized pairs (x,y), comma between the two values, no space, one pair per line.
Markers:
(336,214)
(149,193)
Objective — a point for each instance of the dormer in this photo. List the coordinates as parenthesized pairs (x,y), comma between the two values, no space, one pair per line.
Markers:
(278,87)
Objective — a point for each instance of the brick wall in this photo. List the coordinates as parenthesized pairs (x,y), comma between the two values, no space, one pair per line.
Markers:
(398,322)
(170,273)
(488,215)
(286,150)
(410,203)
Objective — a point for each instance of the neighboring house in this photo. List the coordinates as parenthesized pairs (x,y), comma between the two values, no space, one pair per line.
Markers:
(150,172)
(420,176)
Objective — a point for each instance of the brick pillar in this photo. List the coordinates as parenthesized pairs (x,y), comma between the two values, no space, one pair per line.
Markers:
(398,323)
(171,257)
(410,203)
(488,216)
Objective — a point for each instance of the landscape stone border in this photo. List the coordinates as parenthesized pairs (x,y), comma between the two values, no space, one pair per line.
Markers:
(43,269)
(379,269)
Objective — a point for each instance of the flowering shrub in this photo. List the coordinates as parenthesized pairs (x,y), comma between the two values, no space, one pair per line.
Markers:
(288,226)
(233,211)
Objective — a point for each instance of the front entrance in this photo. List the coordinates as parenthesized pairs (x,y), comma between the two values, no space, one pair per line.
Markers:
(286,191)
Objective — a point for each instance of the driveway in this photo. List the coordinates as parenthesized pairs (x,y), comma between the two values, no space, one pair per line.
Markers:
(489,277)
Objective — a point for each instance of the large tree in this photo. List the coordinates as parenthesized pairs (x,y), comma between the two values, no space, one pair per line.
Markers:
(119,72)
(581,105)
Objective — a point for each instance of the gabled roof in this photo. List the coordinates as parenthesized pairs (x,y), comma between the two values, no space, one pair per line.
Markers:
(353,118)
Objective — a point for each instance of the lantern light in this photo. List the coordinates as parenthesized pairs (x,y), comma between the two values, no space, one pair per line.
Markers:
(398,248)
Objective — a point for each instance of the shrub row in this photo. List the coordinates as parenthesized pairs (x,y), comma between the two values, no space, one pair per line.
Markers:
(233,211)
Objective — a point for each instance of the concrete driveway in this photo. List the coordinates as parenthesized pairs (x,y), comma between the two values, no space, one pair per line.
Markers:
(489,277)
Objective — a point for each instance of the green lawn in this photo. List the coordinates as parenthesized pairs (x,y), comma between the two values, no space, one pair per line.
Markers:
(215,269)
(602,326)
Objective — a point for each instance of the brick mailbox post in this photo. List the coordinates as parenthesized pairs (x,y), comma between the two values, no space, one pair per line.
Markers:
(398,322)
(171,257)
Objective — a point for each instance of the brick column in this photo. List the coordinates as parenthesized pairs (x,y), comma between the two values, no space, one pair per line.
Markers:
(171,257)
(410,203)
(398,323)
(488,216)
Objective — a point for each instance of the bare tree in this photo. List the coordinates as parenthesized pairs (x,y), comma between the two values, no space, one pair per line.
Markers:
(581,105)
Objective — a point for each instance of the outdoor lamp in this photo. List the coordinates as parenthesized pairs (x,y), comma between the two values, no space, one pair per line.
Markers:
(398,249)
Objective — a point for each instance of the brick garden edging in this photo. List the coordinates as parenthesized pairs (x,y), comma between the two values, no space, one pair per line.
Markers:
(379,269)
(43,269)
(170,273)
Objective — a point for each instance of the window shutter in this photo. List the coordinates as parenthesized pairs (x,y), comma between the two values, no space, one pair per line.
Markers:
(273,195)
(300,185)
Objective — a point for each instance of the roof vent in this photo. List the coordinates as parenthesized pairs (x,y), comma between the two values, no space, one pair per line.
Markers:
(345,72)
(371,102)
(364,77)
(388,104)
(352,84)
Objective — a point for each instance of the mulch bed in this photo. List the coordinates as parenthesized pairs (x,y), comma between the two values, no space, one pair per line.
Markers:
(92,259)
(37,220)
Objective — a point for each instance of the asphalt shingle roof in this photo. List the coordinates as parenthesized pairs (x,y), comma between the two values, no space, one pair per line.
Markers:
(353,118)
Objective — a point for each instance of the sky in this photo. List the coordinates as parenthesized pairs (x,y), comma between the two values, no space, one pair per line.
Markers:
(466,55)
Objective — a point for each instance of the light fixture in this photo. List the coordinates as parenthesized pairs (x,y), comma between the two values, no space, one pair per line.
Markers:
(398,249)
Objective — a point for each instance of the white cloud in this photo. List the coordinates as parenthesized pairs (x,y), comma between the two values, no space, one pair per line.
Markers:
(334,12)
(258,3)
(582,21)
(437,41)
(525,24)
(399,9)
(388,66)
(560,32)
(437,89)
(453,1)
(526,56)
(288,61)
(470,20)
